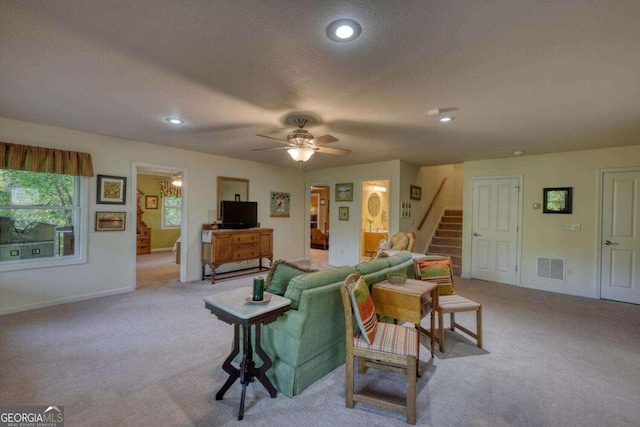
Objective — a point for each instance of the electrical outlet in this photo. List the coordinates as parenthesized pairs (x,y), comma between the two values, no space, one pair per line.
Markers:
(193,219)
(569,271)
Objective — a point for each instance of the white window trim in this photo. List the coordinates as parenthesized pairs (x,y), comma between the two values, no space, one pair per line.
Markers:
(82,224)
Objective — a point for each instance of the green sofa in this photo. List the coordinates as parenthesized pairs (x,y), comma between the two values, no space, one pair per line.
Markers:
(308,341)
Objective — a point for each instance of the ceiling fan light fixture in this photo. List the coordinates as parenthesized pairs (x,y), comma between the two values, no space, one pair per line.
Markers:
(344,30)
(300,154)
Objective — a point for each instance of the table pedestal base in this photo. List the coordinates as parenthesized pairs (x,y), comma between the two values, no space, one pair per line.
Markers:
(247,370)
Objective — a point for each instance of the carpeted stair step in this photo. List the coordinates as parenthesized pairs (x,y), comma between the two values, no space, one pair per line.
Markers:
(447,241)
(455,219)
(453,212)
(445,250)
(449,233)
(450,226)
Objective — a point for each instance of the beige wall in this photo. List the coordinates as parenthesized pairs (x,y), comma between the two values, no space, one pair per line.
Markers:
(344,238)
(20,290)
(544,234)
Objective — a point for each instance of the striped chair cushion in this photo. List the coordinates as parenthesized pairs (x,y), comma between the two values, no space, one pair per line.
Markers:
(439,272)
(391,338)
(456,302)
(363,308)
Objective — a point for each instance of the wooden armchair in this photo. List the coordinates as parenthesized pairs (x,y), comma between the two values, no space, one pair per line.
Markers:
(382,346)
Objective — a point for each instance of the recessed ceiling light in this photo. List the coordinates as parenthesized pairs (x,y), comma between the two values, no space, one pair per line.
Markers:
(446,119)
(174,121)
(344,30)
(518,153)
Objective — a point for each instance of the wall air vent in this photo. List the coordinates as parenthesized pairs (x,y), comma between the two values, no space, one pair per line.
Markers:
(550,268)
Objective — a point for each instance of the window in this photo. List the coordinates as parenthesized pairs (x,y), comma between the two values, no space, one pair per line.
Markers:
(40,216)
(171,212)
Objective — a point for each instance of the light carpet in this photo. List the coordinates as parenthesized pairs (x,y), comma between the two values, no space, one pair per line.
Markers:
(153,357)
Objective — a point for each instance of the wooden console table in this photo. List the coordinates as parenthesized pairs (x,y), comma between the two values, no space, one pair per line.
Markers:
(237,245)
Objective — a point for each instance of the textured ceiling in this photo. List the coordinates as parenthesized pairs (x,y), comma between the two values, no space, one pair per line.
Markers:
(539,76)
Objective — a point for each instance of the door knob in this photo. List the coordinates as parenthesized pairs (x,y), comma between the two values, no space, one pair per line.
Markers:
(609,242)
(476,235)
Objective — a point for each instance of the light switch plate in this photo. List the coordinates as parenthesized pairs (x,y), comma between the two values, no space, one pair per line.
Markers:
(572,227)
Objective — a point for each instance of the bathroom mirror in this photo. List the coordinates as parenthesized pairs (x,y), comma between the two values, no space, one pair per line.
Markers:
(235,189)
(373,204)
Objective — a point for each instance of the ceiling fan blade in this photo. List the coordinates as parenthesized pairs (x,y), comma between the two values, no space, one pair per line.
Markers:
(271,148)
(325,139)
(276,139)
(336,151)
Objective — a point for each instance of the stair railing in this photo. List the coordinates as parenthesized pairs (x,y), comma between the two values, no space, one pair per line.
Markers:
(432,202)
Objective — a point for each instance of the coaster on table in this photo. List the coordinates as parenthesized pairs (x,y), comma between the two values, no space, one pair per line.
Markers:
(265,299)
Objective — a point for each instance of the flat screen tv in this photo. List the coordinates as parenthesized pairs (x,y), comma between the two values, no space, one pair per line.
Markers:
(239,215)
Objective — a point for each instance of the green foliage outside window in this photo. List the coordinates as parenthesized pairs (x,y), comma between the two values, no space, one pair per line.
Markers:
(36,197)
(172,211)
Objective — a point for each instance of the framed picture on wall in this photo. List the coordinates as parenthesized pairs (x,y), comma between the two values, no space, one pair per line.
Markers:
(344,192)
(557,200)
(110,221)
(343,213)
(112,190)
(151,202)
(415,192)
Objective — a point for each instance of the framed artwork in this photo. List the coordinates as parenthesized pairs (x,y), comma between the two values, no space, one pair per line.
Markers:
(343,213)
(344,192)
(557,200)
(110,221)
(151,202)
(415,192)
(112,190)
(280,204)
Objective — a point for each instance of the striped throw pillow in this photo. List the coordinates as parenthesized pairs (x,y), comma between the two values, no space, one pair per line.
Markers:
(365,312)
(439,272)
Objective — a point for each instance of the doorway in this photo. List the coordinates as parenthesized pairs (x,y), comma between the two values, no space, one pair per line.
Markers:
(620,242)
(374,216)
(159,226)
(319,224)
(495,250)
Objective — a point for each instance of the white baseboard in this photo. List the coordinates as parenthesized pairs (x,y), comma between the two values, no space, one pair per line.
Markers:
(58,301)
(161,249)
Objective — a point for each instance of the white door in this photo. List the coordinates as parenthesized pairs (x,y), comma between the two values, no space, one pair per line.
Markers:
(620,268)
(494,241)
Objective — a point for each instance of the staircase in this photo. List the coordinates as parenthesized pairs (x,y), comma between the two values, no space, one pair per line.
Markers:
(448,238)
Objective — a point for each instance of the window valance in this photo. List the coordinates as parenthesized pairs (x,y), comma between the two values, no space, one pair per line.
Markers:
(169,190)
(41,159)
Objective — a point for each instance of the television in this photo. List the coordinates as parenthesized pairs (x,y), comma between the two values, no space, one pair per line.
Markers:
(239,215)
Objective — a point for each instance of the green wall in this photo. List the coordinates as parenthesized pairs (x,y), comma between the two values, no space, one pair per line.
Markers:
(150,186)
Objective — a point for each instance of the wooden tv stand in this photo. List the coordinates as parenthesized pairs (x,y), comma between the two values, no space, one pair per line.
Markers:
(237,245)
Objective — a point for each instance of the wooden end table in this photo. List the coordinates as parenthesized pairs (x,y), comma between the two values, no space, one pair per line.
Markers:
(410,302)
(232,308)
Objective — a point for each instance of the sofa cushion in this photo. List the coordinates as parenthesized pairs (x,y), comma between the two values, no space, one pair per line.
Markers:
(313,280)
(280,274)
(372,265)
(399,258)
(437,271)
(363,308)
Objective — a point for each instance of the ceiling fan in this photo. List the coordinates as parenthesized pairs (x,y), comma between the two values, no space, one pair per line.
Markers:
(301,145)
